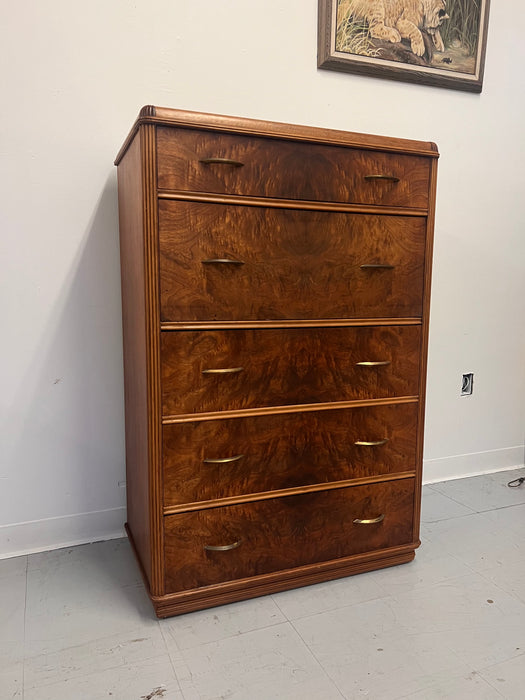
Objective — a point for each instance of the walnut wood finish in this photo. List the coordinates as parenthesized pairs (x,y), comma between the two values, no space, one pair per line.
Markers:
(135,351)
(265,584)
(287,169)
(220,123)
(287,264)
(283,533)
(247,482)
(424,344)
(281,452)
(286,366)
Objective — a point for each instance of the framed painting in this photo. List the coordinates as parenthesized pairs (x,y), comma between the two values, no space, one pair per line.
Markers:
(431,42)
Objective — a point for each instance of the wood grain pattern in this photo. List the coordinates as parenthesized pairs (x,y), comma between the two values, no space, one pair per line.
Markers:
(286,366)
(297,264)
(424,344)
(282,203)
(152,330)
(288,169)
(265,584)
(296,309)
(135,351)
(280,452)
(288,323)
(284,493)
(282,533)
(166,116)
(285,410)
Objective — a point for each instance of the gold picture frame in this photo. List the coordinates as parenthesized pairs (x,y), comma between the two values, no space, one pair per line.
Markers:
(430,42)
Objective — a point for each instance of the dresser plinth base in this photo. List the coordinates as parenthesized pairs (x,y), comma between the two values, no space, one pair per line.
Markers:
(232,591)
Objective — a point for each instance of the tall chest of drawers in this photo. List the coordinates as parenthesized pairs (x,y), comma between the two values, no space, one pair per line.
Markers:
(275,288)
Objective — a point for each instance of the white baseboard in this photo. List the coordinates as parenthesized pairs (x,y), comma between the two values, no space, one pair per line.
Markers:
(474,464)
(70,530)
(65,531)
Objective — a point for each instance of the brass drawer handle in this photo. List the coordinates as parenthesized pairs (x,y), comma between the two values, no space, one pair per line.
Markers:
(226,370)
(377,266)
(221,161)
(377,363)
(391,178)
(224,460)
(222,547)
(373,443)
(222,261)
(369,521)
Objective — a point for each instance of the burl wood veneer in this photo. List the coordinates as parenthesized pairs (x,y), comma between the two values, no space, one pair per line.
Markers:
(275,290)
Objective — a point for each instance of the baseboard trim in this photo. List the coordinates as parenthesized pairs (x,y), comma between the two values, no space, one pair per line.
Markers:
(65,531)
(473,464)
(34,536)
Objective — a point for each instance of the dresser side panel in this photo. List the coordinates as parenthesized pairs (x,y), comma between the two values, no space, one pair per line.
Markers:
(130,197)
(429,243)
(151,267)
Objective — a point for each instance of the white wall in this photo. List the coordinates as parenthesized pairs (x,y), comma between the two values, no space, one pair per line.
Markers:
(75,79)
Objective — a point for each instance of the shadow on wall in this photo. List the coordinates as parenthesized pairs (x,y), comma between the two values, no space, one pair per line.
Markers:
(69,455)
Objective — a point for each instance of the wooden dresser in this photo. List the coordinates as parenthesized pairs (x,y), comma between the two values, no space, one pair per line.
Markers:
(275,288)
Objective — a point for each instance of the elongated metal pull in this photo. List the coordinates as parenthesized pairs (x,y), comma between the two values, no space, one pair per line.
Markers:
(225,370)
(391,178)
(223,460)
(377,266)
(222,261)
(373,363)
(372,443)
(369,521)
(221,161)
(222,547)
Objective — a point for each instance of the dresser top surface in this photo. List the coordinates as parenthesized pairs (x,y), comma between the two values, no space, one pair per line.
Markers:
(164,116)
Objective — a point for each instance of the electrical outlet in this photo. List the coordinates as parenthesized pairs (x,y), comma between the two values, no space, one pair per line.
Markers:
(467,383)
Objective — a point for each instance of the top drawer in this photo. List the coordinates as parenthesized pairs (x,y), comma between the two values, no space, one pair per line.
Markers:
(265,167)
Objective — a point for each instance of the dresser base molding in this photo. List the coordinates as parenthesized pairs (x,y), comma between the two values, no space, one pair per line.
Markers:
(255,586)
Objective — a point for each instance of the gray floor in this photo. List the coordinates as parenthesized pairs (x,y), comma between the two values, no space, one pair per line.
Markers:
(75,624)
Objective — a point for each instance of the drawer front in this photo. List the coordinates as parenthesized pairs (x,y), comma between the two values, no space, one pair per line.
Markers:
(222,458)
(281,533)
(265,167)
(204,371)
(283,263)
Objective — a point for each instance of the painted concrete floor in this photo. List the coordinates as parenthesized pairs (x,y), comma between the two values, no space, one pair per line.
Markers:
(75,624)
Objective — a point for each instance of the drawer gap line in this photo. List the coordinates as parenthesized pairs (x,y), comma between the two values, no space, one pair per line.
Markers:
(304,204)
(291,323)
(275,410)
(283,493)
